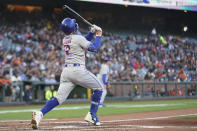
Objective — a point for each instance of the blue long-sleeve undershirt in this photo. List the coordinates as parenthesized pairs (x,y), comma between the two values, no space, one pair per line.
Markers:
(89,36)
(93,47)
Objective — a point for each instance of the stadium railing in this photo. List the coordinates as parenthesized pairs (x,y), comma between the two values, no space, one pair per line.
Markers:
(118,91)
(153,90)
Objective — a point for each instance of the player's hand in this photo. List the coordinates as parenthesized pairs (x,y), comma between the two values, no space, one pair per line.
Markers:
(95,28)
(99,32)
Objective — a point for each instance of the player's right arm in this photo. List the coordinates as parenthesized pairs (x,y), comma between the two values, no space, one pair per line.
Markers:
(94,46)
(90,34)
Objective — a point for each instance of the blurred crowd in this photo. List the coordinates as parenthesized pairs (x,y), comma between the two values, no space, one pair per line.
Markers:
(148,58)
(31,49)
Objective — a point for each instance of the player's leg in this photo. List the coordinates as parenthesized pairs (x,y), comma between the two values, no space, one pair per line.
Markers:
(63,91)
(89,80)
(95,102)
(103,97)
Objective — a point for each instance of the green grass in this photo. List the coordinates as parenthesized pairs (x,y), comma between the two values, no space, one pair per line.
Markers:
(35,107)
(70,113)
(189,117)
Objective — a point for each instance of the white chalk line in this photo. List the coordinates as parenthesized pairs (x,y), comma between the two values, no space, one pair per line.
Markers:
(143,126)
(154,118)
(81,127)
(25,120)
(87,107)
(119,129)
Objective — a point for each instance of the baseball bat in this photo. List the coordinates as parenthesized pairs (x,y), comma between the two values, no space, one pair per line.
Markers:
(67,8)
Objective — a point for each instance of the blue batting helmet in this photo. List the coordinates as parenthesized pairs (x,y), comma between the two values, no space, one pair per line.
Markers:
(69,25)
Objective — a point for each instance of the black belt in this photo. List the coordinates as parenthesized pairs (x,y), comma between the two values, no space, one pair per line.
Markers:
(67,65)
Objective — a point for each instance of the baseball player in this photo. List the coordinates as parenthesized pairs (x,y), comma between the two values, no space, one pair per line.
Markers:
(75,72)
(103,77)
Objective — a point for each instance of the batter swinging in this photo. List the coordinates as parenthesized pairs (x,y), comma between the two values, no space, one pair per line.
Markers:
(75,72)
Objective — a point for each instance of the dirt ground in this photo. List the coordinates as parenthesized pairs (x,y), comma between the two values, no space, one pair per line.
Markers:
(150,121)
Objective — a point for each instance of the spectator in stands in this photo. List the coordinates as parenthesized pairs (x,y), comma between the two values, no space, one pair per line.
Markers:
(192,90)
(50,78)
(1,86)
(179,91)
(1,79)
(16,89)
(162,91)
(28,94)
(8,88)
(15,77)
(50,93)
(172,92)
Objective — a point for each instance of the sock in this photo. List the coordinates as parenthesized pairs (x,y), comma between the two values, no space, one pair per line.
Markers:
(49,106)
(96,96)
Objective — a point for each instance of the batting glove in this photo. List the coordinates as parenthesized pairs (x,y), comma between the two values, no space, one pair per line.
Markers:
(94,28)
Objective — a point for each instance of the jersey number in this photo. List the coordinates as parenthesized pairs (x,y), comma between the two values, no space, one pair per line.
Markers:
(67,49)
(66,46)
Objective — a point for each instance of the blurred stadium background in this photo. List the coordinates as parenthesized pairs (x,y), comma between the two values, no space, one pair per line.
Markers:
(152,43)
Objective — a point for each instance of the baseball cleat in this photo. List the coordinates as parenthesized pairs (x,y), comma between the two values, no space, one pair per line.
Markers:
(36,117)
(92,119)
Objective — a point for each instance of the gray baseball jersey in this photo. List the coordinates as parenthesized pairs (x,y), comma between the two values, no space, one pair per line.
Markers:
(75,72)
(74,46)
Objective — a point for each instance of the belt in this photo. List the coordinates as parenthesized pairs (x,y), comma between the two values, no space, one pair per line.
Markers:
(72,65)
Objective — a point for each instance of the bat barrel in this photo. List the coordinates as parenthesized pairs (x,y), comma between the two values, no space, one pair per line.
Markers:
(65,7)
